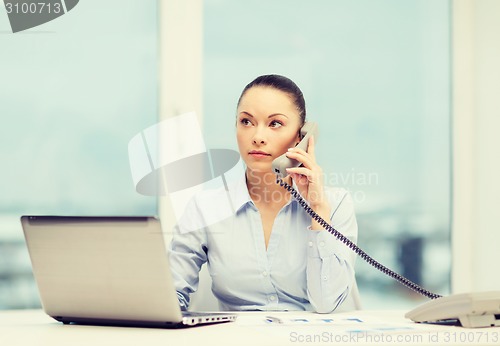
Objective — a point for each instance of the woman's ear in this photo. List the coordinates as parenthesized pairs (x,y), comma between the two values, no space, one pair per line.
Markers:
(299,138)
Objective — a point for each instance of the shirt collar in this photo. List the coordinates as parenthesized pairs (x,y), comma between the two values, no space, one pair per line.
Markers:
(239,193)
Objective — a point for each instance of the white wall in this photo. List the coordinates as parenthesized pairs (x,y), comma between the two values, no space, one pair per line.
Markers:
(476,120)
(180,80)
(180,85)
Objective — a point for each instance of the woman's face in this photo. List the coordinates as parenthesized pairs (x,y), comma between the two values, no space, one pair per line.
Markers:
(267,125)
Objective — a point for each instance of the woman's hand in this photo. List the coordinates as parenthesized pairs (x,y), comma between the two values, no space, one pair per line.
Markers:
(309,180)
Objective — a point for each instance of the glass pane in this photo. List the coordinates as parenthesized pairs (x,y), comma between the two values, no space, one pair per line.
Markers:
(375,75)
(74,92)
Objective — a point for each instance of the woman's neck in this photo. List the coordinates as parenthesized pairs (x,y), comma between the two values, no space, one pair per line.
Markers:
(264,190)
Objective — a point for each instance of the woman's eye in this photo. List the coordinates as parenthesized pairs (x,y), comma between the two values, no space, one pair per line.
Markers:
(245,122)
(276,123)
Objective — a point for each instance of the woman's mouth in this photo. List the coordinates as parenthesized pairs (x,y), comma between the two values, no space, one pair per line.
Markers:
(258,153)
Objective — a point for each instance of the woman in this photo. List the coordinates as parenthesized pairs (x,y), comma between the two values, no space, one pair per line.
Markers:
(269,255)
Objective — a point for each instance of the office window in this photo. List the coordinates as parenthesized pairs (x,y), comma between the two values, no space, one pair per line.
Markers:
(376,77)
(74,91)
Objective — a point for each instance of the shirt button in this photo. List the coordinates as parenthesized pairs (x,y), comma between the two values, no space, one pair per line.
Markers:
(264,273)
(310,244)
(325,278)
(322,244)
(272,298)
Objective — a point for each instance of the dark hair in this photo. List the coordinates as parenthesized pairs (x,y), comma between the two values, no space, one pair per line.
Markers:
(283,84)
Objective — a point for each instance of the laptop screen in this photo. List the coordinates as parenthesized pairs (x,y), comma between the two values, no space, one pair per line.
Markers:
(102,267)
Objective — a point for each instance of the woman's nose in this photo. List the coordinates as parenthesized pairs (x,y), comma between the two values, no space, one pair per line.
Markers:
(259,137)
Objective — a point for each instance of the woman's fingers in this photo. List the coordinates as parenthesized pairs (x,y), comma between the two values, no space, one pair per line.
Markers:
(300,171)
(301,156)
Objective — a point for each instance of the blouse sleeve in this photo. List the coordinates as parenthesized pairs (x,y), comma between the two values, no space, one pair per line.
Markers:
(187,253)
(330,264)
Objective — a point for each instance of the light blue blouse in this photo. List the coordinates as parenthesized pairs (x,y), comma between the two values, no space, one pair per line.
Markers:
(302,269)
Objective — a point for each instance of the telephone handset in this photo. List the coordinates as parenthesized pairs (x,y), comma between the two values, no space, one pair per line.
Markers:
(280,164)
(473,310)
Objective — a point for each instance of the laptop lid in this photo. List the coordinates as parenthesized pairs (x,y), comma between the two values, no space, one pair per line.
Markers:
(102,268)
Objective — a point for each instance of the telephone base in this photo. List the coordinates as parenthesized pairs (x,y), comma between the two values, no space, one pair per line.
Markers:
(469,321)
(472,310)
(473,321)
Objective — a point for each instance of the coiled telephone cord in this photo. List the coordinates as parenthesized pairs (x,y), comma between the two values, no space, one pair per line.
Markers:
(401,279)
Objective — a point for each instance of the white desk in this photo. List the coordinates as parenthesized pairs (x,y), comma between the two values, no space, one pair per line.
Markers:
(34,328)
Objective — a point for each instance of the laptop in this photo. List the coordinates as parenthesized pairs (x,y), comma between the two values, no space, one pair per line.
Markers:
(106,271)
